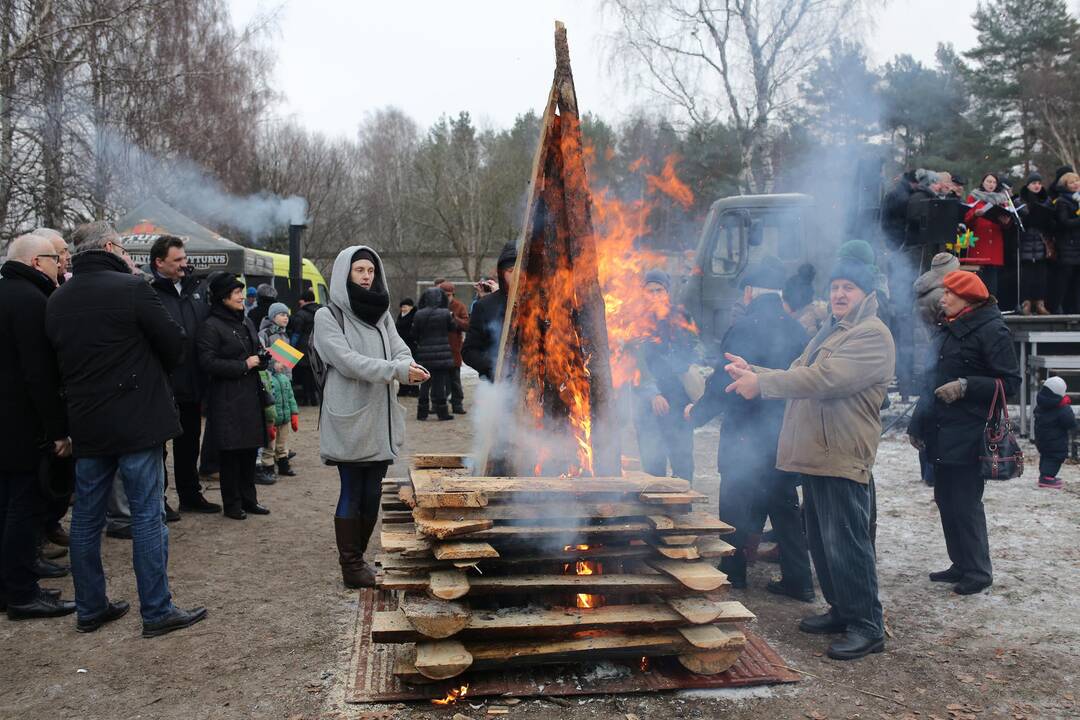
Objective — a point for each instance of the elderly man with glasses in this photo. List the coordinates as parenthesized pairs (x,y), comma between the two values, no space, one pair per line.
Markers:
(33,423)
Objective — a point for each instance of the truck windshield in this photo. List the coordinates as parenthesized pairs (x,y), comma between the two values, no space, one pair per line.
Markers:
(744,235)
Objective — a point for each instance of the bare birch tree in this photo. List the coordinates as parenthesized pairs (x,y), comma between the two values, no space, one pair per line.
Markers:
(734,61)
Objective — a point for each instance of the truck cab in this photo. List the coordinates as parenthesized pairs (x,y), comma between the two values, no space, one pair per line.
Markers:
(738,232)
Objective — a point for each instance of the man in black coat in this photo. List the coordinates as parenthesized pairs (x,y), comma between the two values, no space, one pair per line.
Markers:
(431,331)
(403,324)
(116,344)
(179,293)
(265,296)
(751,487)
(301,325)
(485,327)
(33,422)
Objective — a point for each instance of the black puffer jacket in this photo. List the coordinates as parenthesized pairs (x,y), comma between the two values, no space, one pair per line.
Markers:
(301,326)
(977,346)
(234,400)
(765,336)
(1037,216)
(116,345)
(1054,419)
(485,331)
(431,331)
(33,411)
(1067,234)
(189,309)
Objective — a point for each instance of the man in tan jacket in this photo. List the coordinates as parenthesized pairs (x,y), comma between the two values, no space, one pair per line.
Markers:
(830,436)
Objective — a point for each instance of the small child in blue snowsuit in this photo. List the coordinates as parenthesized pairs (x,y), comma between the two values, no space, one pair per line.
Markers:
(1053,420)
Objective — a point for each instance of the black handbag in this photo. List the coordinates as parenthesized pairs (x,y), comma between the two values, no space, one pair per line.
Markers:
(1001,458)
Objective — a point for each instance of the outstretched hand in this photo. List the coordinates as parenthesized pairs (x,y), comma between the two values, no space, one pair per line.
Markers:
(736,361)
(745,381)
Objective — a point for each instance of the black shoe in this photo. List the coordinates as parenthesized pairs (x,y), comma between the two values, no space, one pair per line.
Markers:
(854,646)
(43,606)
(50,551)
(737,583)
(951,575)
(114,611)
(459,410)
(824,624)
(284,469)
(421,415)
(176,620)
(971,587)
(256,509)
(236,514)
(200,505)
(444,414)
(121,533)
(264,476)
(57,535)
(777,587)
(170,514)
(46,569)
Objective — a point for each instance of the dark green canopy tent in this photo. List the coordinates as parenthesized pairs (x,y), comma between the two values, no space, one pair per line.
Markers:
(206,250)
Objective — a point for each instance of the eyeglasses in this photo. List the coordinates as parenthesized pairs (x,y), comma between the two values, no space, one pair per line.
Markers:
(116,244)
(55,258)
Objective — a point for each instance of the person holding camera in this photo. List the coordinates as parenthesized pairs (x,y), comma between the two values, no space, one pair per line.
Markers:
(229,352)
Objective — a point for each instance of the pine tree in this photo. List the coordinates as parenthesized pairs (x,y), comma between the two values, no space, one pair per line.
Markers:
(841,95)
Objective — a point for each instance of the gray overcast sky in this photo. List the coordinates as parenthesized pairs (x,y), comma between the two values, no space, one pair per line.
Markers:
(339,59)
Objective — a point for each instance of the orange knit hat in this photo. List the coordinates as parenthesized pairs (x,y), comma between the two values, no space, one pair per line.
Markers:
(966,285)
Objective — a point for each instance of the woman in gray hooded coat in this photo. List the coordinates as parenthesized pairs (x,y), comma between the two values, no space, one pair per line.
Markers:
(361,423)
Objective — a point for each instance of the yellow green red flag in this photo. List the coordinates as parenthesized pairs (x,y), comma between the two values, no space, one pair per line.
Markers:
(285,353)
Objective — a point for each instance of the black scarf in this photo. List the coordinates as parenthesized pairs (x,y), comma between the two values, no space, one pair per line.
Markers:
(368,305)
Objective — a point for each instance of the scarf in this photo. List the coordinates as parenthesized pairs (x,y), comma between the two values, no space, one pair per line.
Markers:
(368,305)
(962,313)
(991,198)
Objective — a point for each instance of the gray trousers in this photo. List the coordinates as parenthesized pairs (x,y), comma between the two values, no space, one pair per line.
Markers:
(117,510)
(837,514)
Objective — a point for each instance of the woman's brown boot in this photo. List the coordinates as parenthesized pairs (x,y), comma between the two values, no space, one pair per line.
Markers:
(1025,307)
(1040,308)
(355,573)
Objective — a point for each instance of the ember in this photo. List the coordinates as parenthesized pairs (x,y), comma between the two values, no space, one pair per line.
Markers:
(453,696)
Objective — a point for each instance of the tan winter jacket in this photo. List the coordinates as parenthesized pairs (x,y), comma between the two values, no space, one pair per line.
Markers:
(832,422)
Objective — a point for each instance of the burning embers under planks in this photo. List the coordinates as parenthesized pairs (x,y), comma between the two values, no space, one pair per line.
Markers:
(500,572)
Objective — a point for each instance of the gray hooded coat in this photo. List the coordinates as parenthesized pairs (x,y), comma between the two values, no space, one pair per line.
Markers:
(361,420)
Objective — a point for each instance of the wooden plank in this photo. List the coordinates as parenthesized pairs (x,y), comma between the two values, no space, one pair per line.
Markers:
(709,662)
(661,522)
(464,551)
(442,529)
(688,552)
(396,563)
(672,498)
(442,659)
(397,516)
(542,511)
(500,486)
(565,534)
(405,543)
(398,626)
(678,540)
(448,584)
(407,495)
(476,499)
(710,637)
(431,617)
(698,576)
(696,522)
(439,460)
(536,584)
(713,547)
(699,610)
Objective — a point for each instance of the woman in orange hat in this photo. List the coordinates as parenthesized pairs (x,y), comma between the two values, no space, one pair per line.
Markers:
(974,351)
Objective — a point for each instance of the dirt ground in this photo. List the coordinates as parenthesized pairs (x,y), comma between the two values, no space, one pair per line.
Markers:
(279,634)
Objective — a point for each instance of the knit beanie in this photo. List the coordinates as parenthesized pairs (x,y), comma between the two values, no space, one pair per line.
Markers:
(966,285)
(945,260)
(276,309)
(266,290)
(799,288)
(656,275)
(508,256)
(766,273)
(859,250)
(1056,385)
(1033,177)
(221,284)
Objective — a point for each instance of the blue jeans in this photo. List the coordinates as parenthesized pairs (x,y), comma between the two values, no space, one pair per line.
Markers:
(837,514)
(143,474)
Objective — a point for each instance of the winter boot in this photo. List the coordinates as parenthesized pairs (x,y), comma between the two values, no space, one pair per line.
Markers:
(459,410)
(1054,483)
(443,412)
(283,468)
(1040,308)
(264,475)
(1025,307)
(355,573)
(421,412)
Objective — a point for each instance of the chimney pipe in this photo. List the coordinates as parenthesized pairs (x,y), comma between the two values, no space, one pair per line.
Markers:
(296,261)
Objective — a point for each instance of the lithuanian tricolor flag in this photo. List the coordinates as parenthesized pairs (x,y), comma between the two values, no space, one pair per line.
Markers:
(285,353)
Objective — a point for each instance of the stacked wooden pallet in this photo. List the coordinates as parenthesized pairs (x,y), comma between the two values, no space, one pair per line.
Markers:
(499,572)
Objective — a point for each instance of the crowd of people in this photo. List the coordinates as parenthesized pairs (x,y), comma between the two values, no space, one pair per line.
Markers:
(109,368)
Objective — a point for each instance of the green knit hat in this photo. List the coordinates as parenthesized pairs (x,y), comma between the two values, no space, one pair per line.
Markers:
(857,250)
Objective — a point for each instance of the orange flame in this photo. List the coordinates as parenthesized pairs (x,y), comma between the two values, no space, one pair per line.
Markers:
(453,696)
(644,664)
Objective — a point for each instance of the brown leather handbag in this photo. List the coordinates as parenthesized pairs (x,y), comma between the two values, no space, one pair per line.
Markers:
(1001,458)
